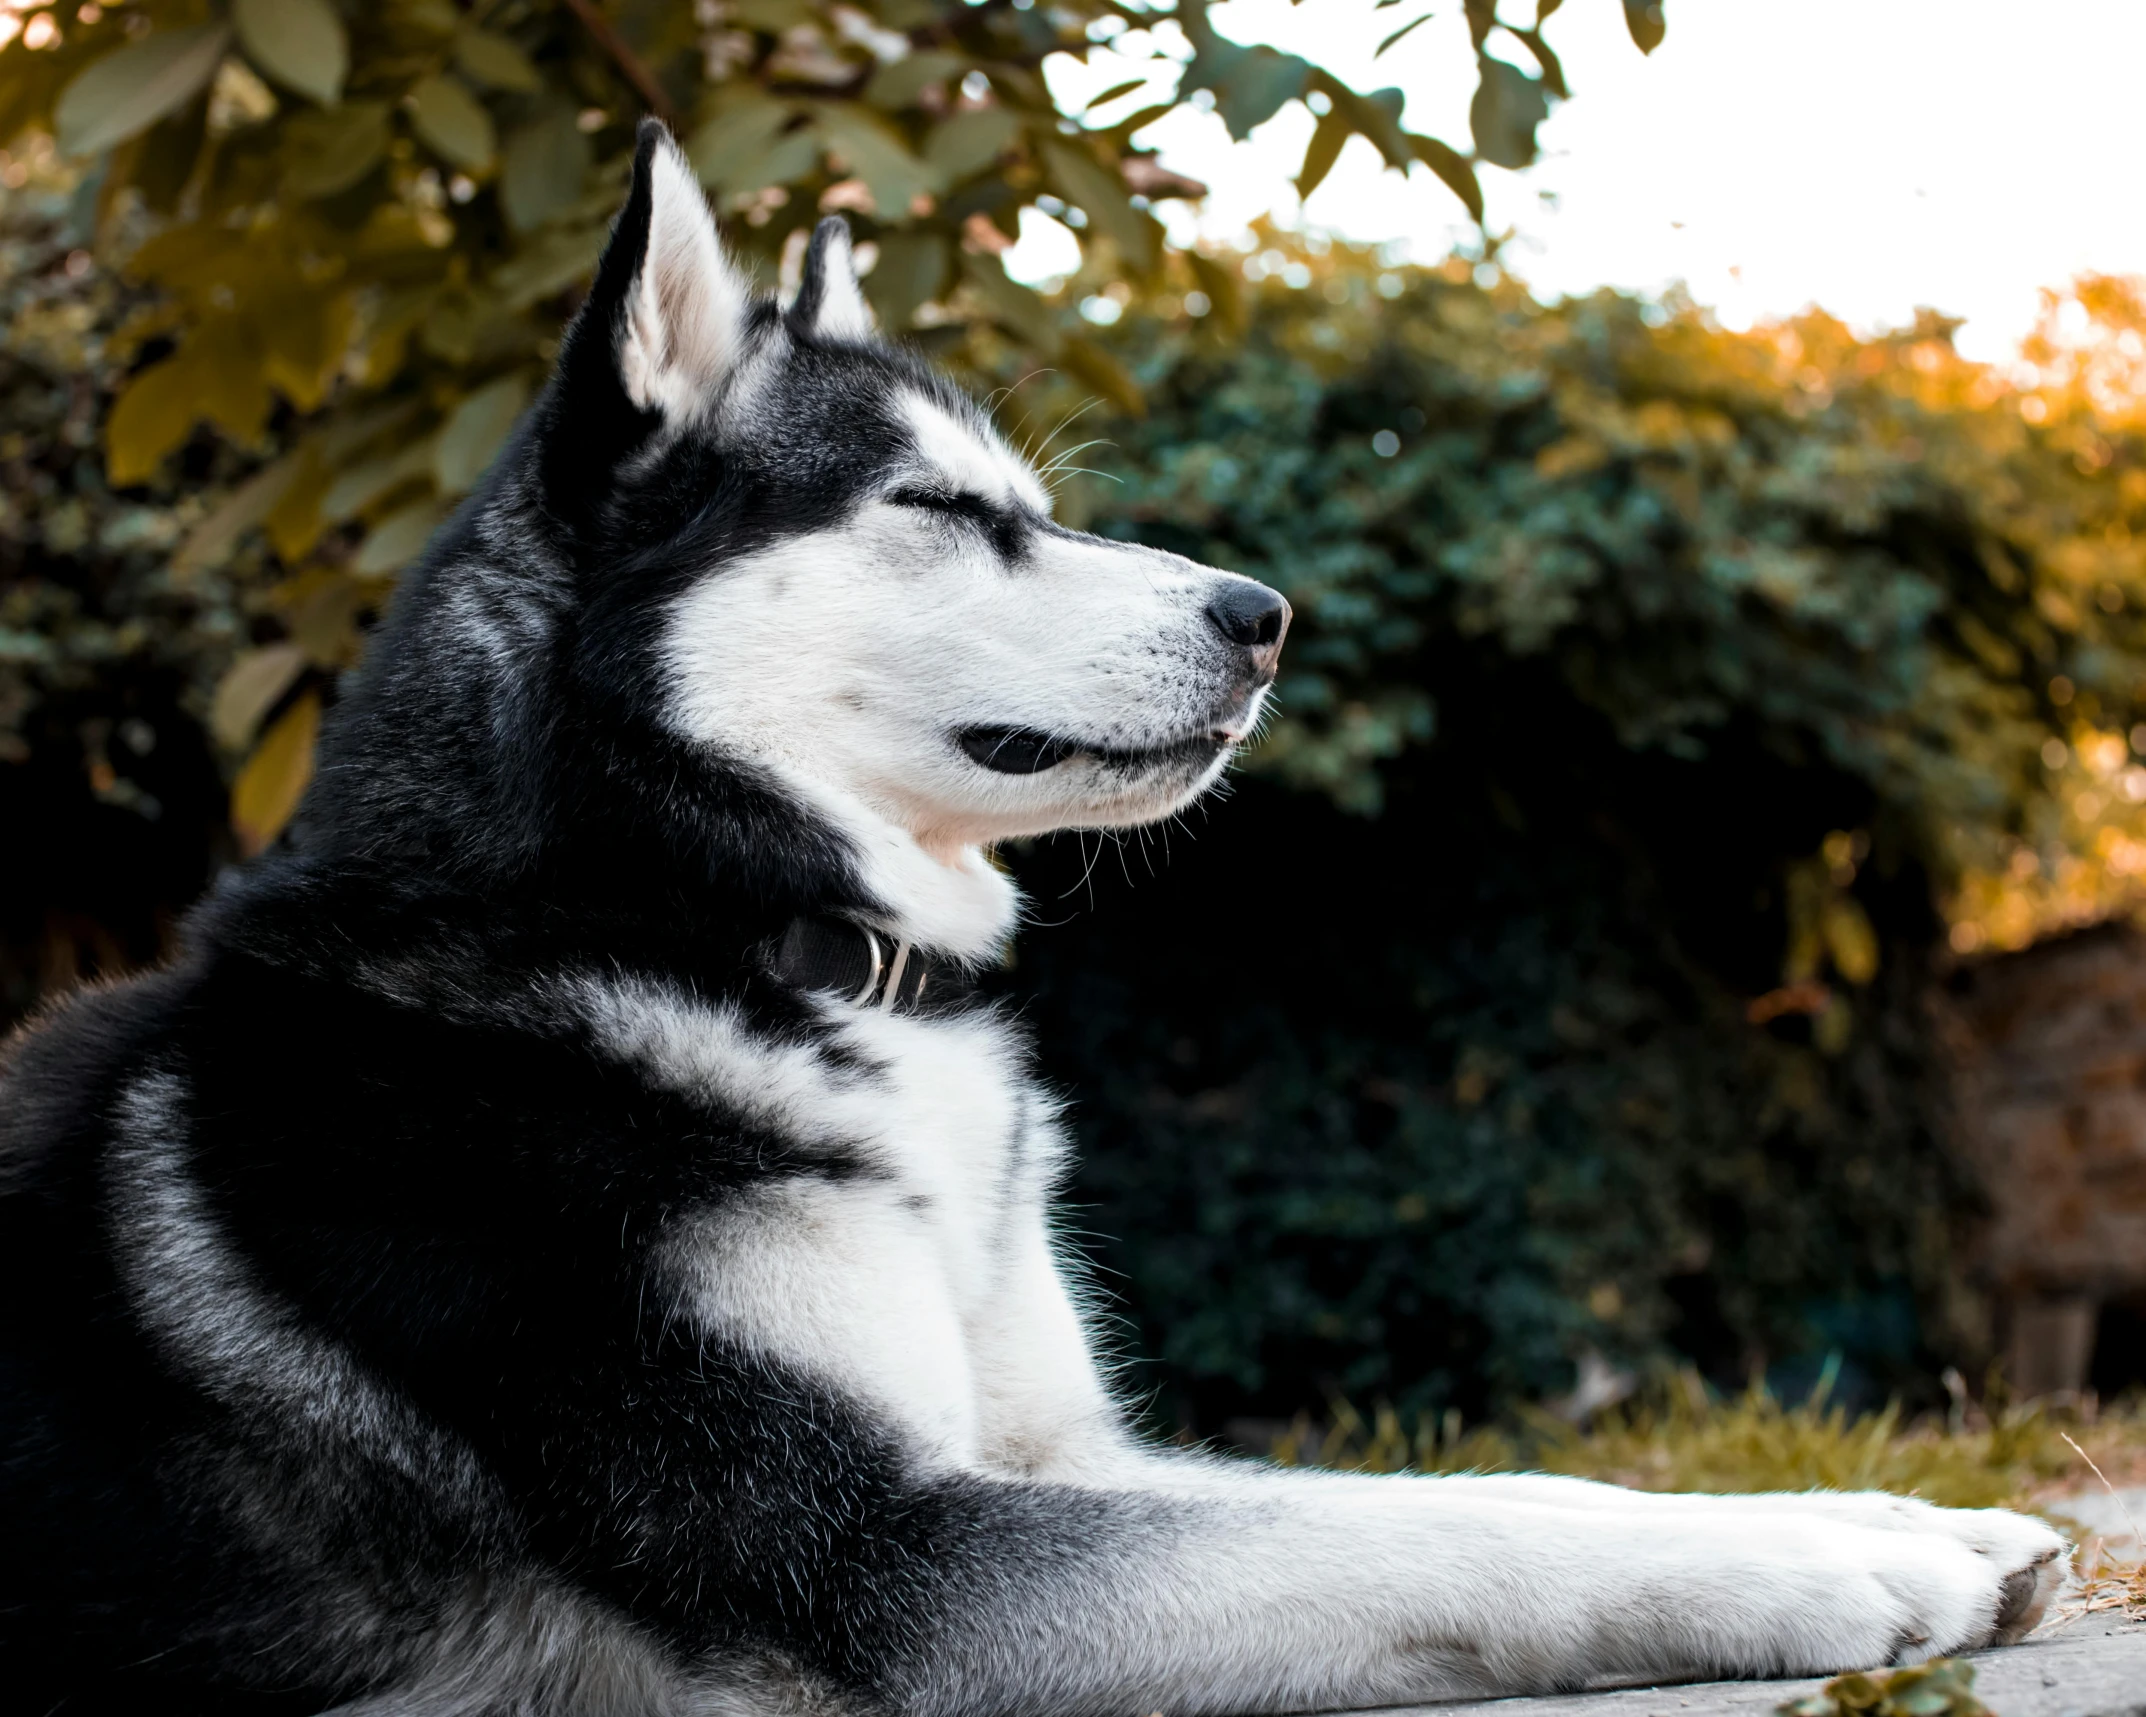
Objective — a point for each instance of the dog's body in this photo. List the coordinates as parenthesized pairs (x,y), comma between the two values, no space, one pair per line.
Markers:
(562,1241)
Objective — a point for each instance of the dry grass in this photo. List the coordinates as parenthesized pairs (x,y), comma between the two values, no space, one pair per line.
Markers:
(1678,1435)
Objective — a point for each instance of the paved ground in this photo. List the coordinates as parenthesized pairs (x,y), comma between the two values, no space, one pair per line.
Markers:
(2092,1668)
(2119,1516)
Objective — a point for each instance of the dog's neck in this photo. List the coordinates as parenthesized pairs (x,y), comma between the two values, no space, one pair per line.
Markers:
(953,901)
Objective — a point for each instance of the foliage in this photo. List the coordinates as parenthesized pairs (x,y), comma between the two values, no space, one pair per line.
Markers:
(110,648)
(1678,1435)
(1684,671)
(1942,1687)
(364,224)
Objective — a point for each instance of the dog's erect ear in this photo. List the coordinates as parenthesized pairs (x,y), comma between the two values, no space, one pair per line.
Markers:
(830,305)
(681,313)
(665,318)
(662,328)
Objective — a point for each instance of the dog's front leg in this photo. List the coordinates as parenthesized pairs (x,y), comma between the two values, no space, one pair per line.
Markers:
(1315,1592)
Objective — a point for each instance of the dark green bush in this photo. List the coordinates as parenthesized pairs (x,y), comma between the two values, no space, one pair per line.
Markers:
(1558,978)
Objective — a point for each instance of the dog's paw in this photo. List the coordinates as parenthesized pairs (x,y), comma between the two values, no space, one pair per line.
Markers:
(2032,1560)
(1867,1581)
(2028,1559)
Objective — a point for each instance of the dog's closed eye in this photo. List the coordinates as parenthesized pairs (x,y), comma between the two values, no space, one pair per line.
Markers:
(1003,525)
(962,503)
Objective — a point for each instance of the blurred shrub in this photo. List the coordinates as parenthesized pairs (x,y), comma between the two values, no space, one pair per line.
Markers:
(109,647)
(1556,979)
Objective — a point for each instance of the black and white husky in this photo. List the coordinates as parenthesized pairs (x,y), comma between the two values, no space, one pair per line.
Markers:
(563,1239)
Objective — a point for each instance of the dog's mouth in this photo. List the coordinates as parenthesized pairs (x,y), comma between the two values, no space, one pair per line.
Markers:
(1030,751)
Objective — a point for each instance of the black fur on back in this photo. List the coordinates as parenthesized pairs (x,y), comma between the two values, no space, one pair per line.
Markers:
(411,1416)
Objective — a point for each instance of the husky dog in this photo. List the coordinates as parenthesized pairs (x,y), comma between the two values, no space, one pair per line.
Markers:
(563,1238)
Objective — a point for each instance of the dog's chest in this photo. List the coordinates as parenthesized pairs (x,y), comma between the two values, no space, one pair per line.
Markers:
(895,1251)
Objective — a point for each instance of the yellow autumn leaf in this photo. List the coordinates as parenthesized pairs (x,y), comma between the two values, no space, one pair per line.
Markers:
(306,338)
(1850,940)
(294,523)
(274,779)
(229,389)
(150,418)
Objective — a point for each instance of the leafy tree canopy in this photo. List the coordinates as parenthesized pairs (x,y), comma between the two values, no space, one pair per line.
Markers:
(365,223)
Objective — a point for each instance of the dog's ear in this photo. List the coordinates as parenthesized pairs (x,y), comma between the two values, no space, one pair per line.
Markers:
(829,304)
(665,318)
(662,328)
(680,306)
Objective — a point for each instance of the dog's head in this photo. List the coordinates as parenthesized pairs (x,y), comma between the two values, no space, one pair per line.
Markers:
(815,562)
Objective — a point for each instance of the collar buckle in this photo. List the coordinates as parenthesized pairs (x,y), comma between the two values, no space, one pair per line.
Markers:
(853,961)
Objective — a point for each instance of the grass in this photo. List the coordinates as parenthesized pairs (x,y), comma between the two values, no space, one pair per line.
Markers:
(1679,1435)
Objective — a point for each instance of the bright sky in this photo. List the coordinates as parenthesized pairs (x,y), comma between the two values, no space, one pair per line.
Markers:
(1864,155)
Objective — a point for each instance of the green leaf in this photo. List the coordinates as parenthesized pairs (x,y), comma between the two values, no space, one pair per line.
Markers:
(912,270)
(1113,92)
(1399,34)
(1508,105)
(362,485)
(1255,87)
(1553,72)
(542,169)
(1103,373)
(474,431)
(131,88)
(1376,116)
(550,263)
(298,43)
(1643,18)
(210,542)
(1081,179)
(1224,287)
(874,151)
(453,123)
(1250,84)
(773,16)
(250,688)
(328,152)
(960,147)
(898,84)
(496,62)
(397,538)
(739,133)
(1016,309)
(1322,152)
(1453,167)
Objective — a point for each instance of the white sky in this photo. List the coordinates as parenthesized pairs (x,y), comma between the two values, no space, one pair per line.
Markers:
(1864,155)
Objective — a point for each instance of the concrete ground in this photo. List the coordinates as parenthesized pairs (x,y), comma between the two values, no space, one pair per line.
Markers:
(2095,1667)
(2088,1666)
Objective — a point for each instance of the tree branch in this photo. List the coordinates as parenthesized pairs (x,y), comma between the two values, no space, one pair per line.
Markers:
(630,64)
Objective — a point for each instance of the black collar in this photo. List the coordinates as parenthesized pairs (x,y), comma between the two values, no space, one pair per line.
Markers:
(867,967)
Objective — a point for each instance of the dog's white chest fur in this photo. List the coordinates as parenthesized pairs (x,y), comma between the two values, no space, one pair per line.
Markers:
(907,1262)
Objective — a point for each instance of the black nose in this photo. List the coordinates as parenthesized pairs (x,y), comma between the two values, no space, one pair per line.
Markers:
(1249,614)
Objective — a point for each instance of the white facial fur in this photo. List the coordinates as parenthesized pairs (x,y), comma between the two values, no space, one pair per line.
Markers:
(850,661)
(854,655)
